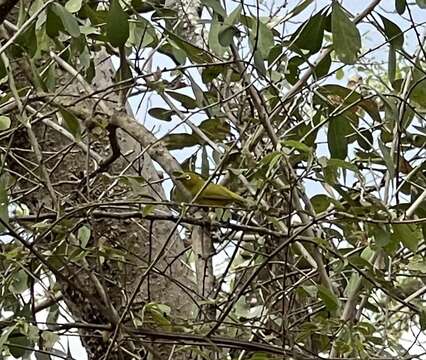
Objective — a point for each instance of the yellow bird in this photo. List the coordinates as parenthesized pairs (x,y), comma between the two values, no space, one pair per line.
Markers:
(213,194)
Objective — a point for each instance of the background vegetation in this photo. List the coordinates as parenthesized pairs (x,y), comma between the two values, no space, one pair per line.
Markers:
(313,111)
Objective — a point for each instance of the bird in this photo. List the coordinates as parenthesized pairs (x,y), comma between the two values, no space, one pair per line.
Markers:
(212,195)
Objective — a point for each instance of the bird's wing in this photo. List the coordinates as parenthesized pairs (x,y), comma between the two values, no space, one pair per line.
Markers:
(218,192)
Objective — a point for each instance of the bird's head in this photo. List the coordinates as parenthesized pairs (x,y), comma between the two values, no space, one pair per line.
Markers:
(187,178)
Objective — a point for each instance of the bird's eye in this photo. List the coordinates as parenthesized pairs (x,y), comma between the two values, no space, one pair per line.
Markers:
(187,177)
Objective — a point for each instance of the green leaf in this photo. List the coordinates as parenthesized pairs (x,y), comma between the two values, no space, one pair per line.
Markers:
(4,122)
(141,33)
(52,316)
(211,72)
(418,92)
(338,130)
(195,53)
(49,77)
(5,335)
(409,235)
(234,16)
(49,339)
(400,6)
(341,164)
(176,54)
(73,5)
(3,71)
(226,35)
(69,22)
(297,145)
(215,128)
(71,124)
(83,235)
(417,263)
(187,101)
(22,344)
(391,64)
(214,38)
(124,72)
(216,6)
(323,67)
(309,36)
(422,320)
(393,33)
(293,71)
(387,159)
(53,23)
(300,7)
(228,30)
(259,63)
(4,203)
(260,356)
(161,114)
(352,285)
(204,163)
(346,37)
(180,141)
(421,4)
(382,235)
(19,282)
(117,26)
(265,39)
(330,300)
(320,203)
(28,40)
(347,98)
(148,209)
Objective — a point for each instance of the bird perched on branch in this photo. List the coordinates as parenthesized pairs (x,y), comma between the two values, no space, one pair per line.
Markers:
(213,194)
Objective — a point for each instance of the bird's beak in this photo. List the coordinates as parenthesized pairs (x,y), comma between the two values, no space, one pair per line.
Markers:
(178,175)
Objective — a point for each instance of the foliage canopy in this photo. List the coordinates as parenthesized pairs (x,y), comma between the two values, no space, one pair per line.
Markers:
(313,110)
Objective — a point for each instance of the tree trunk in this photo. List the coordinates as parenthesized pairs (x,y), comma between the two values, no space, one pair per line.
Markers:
(125,264)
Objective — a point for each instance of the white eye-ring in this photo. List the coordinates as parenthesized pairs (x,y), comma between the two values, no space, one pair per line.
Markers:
(188,177)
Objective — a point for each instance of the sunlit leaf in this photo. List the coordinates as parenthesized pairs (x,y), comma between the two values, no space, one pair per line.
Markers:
(73,5)
(83,235)
(409,235)
(4,122)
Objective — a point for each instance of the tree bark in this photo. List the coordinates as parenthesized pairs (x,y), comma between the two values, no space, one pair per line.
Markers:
(116,278)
